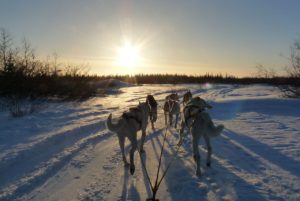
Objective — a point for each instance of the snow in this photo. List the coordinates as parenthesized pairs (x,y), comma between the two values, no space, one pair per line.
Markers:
(63,150)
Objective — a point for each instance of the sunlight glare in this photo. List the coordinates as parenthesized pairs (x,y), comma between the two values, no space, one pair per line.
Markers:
(207,86)
(128,55)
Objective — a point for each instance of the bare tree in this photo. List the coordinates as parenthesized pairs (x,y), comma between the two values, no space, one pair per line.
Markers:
(294,68)
(293,71)
(76,70)
(263,72)
(27,59)
(5,47)
(27,53)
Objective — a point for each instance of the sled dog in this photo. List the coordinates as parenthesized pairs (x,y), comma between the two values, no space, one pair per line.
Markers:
(130,123)
(171,107)
(199,123)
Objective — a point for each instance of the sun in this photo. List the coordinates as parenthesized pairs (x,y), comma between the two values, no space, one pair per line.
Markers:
(128,55)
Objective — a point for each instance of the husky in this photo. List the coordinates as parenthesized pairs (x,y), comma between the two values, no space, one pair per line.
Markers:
(153,113)
(171,107)
(200,124)
(173,96)
(187,97)
(130,123)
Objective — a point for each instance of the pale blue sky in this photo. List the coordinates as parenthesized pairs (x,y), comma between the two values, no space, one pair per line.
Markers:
(192,37)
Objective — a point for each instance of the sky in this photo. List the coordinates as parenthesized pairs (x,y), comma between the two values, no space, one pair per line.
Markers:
(171,36)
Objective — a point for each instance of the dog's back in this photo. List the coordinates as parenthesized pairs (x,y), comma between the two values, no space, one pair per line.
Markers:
(187,97)
(171,106)
(173,96)
(128,122)
(204,125)
(199,102)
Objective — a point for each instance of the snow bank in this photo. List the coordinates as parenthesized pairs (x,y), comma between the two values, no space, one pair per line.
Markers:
(111,83)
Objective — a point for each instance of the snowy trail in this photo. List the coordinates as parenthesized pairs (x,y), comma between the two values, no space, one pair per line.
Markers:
(88,174)
(29,165)
(65,152)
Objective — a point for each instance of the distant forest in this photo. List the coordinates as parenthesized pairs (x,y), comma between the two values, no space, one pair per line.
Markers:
(81,86)
(199,79)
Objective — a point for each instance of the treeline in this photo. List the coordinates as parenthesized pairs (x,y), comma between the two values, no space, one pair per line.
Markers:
(200,79)
(62,87)
(22,74)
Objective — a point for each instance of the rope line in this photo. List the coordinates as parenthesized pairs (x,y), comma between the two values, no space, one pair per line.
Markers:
(144,167)
(160,157)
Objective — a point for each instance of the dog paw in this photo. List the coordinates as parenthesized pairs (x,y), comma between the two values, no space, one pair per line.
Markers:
(132,169)
(198,173)
(196,158)
(142,151)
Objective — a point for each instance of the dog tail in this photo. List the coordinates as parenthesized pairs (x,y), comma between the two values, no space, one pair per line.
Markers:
(209,126)
(216,131)
(112,127)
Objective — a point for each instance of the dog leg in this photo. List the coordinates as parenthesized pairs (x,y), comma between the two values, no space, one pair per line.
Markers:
(170,118)
(122,143)
(166,118)
(181,134)
(176,120)
(197,161)
(133,148)
(209,150)
(143,141)
(196,153)
(152,124)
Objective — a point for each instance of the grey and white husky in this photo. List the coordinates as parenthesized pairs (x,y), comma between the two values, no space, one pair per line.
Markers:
(130,123)
(199,123)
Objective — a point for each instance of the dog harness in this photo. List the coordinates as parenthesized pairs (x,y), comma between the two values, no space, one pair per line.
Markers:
(128,115)
(189,115)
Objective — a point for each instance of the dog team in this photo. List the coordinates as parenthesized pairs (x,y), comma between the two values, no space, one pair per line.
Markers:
(195,119)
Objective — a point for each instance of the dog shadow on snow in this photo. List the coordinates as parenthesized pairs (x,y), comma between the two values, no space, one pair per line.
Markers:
(216,182)
(265,151)
(129,190)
